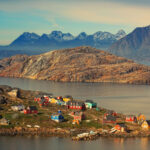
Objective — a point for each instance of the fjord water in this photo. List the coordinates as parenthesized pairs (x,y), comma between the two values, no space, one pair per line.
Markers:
(41,143)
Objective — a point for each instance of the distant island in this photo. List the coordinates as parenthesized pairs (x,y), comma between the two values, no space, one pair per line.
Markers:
(80,64)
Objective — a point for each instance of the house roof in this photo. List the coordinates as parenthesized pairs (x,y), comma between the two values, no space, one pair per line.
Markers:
(89,101)
(32,107)
(75,103)
(110,117)
(121,124)
(148,122)
(130,116)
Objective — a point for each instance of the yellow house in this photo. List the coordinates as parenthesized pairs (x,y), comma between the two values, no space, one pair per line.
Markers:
(53,100)
(141,118)
(146,125)
(67,98)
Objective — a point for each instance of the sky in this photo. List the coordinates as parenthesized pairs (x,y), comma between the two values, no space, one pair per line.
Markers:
(74,16)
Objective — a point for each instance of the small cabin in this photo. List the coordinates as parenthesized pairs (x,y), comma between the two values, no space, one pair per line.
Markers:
(43,103)
(141,118)
(59,97)
(38,98)
(146,125)
(67,98)
(90,104)
(109,119)
(110,112)
(31,110)
(61,102)
(4,121)
(54,100)
(131,118)
(58,117)
(121,127)
(77,115)
(76,105)
(18,108)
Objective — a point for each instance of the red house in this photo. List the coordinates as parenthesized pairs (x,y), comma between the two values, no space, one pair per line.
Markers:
(43,103)
(78,115)
(120,127)
(111,112)
(131,118)
(31,110)
(109,119)
(76,105)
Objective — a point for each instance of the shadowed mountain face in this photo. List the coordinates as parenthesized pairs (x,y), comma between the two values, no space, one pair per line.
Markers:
(135,45)
(31,43)
(81,64)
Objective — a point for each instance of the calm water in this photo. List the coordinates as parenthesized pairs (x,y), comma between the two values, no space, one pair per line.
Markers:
(40,143)
(120,97)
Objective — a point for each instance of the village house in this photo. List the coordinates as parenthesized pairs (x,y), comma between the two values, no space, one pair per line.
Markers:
(67,98)
(90,104)
(18,108)
(141,118)
(60,102)
(43,102)
(111,113)
(146,125)
(121,127)
(76,105)
(4,121)
(131,119)
(57,117)
(109,119)
(31,110)
(77,115)
(54,100)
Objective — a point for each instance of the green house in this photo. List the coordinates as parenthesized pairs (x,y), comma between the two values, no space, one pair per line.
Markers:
(90,104)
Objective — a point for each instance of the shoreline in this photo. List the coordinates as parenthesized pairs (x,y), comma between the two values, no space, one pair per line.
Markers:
(65,133)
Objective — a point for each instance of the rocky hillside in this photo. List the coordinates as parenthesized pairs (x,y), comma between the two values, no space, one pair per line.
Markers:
(82,64)
(135,45)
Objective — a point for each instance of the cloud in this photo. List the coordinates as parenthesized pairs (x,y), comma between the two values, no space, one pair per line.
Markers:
(125,12)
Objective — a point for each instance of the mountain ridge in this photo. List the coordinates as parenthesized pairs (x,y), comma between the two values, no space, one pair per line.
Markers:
(80,64)
(135,45)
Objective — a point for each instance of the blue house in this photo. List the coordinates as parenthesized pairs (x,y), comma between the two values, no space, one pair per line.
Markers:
(58,117)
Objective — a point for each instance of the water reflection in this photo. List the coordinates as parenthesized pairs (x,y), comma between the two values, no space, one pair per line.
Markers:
(42,143)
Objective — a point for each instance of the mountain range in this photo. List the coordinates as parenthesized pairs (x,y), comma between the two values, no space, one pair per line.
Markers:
(31,43)
(80,64)
(135,45)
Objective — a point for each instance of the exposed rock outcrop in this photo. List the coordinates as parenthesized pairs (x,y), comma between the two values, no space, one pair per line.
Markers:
(81,64)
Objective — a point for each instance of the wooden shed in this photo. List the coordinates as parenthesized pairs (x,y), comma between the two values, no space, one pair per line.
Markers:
(76,105)
(121,127)
(141,118)
(77,115)
(58,117)
(131,118)
(31,110)
(109,119)
(146,125)
(90,104)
